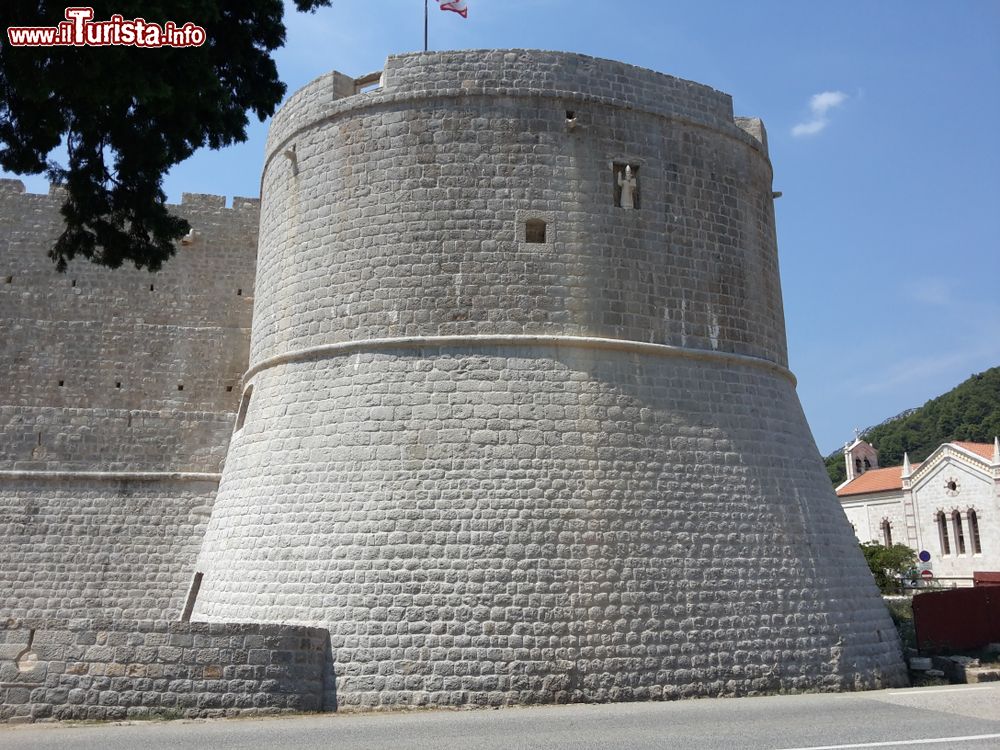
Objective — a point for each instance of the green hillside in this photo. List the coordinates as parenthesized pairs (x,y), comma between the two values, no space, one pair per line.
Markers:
(970,411)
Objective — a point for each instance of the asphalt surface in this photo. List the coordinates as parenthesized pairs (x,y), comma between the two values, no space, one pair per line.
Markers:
(959,716)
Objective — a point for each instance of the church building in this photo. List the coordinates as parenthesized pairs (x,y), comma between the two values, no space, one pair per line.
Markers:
(947,507)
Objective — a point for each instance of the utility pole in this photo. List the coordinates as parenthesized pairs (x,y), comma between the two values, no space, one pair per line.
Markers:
(425,25)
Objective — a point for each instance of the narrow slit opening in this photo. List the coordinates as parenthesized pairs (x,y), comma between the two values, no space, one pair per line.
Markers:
(241,415)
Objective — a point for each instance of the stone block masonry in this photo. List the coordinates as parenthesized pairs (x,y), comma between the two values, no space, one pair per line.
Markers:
(507,466)
(118,391)
(113,545)
(120,669)
(405,217)
(512,422)
(492,525)
(120,341)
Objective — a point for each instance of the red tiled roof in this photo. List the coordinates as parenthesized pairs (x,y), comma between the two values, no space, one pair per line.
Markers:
(884,480)
(980,449)
(876,480)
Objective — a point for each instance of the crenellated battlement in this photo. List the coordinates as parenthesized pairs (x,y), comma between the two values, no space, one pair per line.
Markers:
(14,186)
(218,202)
(521,74)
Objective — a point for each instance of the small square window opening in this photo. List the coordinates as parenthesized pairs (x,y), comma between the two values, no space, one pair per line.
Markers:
(534,231)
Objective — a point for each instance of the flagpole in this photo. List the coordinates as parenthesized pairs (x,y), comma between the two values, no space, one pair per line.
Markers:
(425,25)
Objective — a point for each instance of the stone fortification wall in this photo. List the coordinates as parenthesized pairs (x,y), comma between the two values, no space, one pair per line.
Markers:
(116,545)
(123,340)
(100,669)
(497,525)
(57,439)
(118,390)
(404,213)
(501,470)
(544,75)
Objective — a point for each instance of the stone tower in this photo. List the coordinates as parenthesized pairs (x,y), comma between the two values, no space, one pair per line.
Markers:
(517,425)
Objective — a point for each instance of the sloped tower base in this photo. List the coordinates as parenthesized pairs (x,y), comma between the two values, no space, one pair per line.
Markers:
(513,525)
(502,471)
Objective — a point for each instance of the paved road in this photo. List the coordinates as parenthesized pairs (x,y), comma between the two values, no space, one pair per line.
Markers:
(960,716)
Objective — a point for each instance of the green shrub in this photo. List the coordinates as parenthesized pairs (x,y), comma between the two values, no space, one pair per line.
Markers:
(901,611)
(889,565)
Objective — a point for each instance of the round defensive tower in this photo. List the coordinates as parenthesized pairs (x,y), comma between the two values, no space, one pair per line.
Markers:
(518,424)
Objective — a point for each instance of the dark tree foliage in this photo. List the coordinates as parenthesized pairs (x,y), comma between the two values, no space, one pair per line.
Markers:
(126,114)
(835,468)
(968,412)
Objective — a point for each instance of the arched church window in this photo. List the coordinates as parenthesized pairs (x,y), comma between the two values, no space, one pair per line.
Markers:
(977,546)
(857,467)
(868,464)
(887,532)
(956,521)
(942,524)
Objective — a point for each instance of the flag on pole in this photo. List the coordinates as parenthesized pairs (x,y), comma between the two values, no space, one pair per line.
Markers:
(458,6)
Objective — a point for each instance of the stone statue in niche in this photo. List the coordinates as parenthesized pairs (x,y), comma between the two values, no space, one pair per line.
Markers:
(628,186)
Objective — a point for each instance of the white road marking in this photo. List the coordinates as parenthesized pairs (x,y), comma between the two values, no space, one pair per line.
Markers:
(897,743)
(943,690)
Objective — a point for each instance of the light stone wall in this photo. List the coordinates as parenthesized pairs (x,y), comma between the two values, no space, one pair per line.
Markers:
(498,525)
(402,214)
(893,512)
(865,514)
(93,327)
(976,490)
(139,669)
(108,469)
(108,547)
(506,472)
(498,472)
(79,439)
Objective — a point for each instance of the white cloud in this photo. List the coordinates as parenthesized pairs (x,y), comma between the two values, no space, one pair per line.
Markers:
(820,105)
(809,128)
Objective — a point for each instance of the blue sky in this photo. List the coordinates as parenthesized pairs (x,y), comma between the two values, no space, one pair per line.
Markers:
(889,224)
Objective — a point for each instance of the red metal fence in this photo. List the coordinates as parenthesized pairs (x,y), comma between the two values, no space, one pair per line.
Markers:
(957,620)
